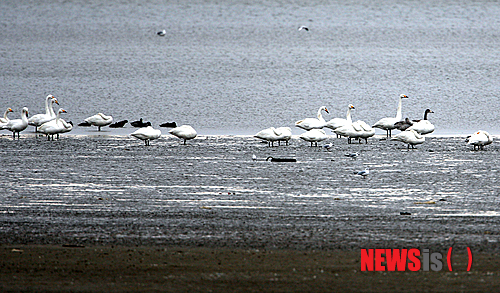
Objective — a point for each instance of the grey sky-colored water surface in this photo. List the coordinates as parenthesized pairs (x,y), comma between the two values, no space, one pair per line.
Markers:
(236,67)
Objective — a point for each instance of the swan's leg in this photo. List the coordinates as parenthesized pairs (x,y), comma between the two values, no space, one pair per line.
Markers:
(366,140)
(316,144)
(98,128)
(184,141)
(311,143)
(279,142)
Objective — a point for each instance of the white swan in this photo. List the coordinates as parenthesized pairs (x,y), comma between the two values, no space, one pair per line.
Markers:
(387,124)
(357,130)
(411,137)
(339,122)
(313,123)
(147,134)
(423,126)
(269,134)
(479,139)
(314,135)
(285,134)
(18,125)
(365,131)
(55,126)
(184,131)
(99,120)
(39,119)
(5,119)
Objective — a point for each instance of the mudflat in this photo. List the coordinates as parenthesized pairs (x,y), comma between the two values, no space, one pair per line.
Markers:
(106,213)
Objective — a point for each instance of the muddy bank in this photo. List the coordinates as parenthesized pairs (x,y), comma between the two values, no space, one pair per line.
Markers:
(105,190)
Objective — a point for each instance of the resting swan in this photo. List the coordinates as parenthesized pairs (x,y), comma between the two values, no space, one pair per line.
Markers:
(272,134)
(314,135)
(479,139)
(147,134)
(184,131)
(39,119)
(55,126)
(99,120)
(423,126)
(313,123)
(411,137)
(5,119)
(17,125)
(339,122)
(387,124)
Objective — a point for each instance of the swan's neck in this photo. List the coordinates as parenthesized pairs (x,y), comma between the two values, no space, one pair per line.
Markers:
(24,117)
(47,110)
(425,115)
(348,117)
(398,113)
(5,114)
(104,116)
(320,117)
(51,109)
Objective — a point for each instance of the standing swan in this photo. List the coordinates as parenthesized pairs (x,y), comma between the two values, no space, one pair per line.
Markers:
(314,135)
(147,134)
(18,125)
(99,120)
(387,123)
(56,126)
(411,137)
(339,122)
(185,132)
(313,123)
(39,119)
(479,139)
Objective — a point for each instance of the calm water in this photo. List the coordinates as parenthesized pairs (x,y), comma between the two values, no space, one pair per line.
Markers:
(234,67)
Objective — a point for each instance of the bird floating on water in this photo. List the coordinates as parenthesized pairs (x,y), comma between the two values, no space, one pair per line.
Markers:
(281,159)
(140,123)
(169,124)
(254,157)
(352,155)
(303,27)
(162,33)
(118,124)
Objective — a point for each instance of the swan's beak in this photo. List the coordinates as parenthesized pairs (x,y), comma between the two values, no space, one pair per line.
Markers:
(55,101)
(10,110)
(326,110)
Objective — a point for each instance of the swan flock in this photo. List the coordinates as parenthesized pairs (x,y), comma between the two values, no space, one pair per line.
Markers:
(412,131)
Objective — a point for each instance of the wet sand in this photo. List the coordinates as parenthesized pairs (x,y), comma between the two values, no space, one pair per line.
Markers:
(205,216)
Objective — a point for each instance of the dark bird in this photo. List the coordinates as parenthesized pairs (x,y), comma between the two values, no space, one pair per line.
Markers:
(352,155)
(169,124)
(403,125)
(140,123)
(303,27)
(281,159)
(85,123)
(119,124)
(162,33)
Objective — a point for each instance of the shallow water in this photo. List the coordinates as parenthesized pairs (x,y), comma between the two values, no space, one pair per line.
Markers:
(108,190)
(234,67)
